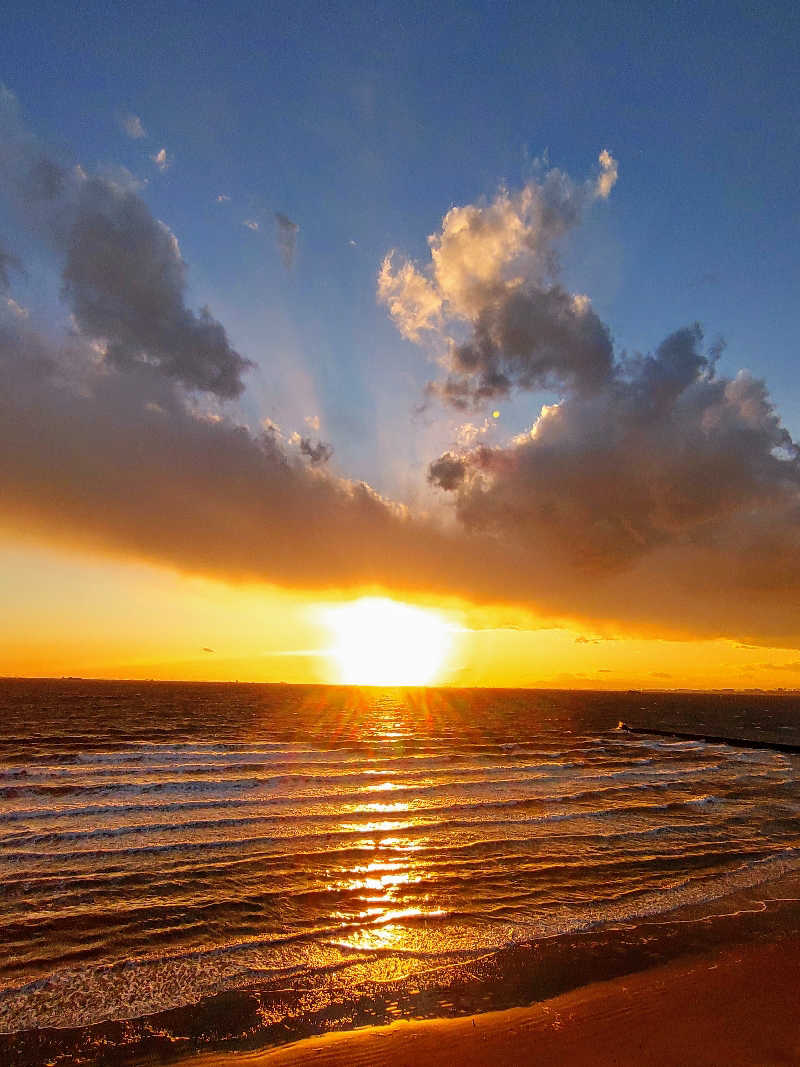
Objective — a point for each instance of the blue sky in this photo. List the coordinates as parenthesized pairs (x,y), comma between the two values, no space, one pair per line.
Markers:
(366,122)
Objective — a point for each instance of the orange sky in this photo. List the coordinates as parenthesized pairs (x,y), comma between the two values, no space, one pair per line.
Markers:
(82,615)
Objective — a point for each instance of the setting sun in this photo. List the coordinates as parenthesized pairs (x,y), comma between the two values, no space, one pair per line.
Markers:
(381,642)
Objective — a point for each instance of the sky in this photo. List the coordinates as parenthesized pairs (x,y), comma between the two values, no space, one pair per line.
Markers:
(484,308)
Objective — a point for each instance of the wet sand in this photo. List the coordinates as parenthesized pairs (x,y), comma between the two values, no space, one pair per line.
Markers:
(736,1007)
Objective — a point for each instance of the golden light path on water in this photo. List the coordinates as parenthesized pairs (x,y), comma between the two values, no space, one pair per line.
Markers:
(378,641)
(376,883)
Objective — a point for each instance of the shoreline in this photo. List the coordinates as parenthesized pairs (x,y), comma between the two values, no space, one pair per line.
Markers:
(758,923)
(736,1006)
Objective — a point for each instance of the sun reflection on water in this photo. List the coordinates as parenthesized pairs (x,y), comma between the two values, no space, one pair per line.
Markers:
(382,916)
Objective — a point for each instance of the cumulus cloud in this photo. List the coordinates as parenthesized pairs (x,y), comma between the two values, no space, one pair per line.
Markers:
(493,273)
(414,302)
(133,127)
(252,224)
(122,270)
(665,468)
(287,238)
(125,278)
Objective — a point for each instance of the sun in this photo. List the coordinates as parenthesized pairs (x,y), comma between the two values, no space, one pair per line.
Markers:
(382,642)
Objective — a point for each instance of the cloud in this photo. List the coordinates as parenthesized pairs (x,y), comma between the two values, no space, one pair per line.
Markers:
(664,473)
(654,497)
(609,172)
(132,126)
(317,453)
(414,303)
(125,278)
(287,238)
(7,263)
(162,160)
(17,309)
(251,224)
(448,472)
(116,460)
(122,270)
(493,273)
(222,198)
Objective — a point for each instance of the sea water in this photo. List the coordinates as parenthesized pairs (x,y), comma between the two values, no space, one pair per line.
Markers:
(164,845)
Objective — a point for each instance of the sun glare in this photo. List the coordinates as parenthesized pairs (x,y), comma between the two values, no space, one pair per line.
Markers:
(381,642)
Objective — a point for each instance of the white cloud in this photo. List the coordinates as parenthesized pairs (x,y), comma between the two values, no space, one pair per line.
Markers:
(491,297)
(608,175)
(251,224)
(133,127)
(162,160)
(17,309)
(413,301)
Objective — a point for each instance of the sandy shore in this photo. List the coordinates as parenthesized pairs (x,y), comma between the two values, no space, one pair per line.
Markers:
(738,1007)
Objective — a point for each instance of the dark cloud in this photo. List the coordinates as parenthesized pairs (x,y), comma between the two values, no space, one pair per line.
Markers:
(7,264)
(123,272)
(126,279)
(287,238)
(664,458)
(318,453)
(528,339)
(448,471)
(118,462)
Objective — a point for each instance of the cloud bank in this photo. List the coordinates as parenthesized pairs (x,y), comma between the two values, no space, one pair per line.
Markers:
(655,495)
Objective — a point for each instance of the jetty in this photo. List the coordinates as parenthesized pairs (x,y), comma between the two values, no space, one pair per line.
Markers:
(714,739)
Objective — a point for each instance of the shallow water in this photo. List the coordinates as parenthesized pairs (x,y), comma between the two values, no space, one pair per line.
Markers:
(162,843)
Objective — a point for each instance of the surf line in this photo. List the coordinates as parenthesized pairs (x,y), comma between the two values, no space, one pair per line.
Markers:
(736,742)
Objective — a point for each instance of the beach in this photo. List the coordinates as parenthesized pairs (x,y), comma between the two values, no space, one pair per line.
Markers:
(735,1007)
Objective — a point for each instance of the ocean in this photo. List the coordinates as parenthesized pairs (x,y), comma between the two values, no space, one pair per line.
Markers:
(188,866)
